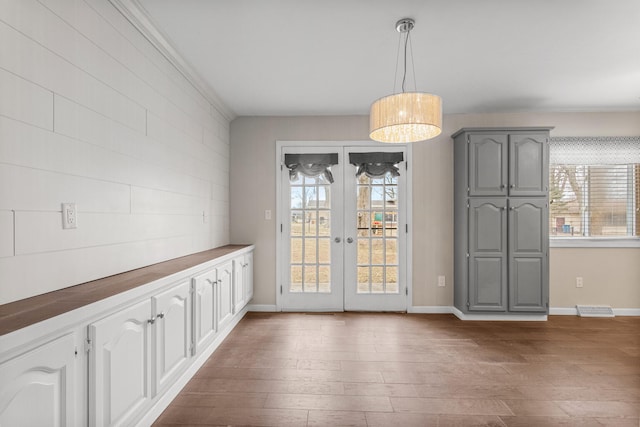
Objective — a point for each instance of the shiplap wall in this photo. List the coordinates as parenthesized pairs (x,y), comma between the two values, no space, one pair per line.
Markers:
(92,113)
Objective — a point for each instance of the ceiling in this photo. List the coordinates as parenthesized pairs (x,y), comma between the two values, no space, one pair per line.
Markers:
(334,57)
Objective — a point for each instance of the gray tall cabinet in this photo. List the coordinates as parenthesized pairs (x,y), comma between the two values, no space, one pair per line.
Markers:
(501,212)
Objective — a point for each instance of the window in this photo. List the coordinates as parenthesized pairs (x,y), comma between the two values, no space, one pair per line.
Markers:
(594,187)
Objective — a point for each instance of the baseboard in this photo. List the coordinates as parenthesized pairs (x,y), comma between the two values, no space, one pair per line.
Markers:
(500,317)
(262,307)
(167,397)
(430,309)
(571,311)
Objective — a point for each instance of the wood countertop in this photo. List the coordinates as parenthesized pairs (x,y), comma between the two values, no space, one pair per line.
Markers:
(26,312)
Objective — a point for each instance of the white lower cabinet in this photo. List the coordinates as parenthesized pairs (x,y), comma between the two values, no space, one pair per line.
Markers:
(172,334)
(243,281)
(136,354)
(224,272)
(37,389)
(204,309)
(119,366)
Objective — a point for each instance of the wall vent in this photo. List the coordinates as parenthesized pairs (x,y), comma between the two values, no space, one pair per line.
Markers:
(595,311)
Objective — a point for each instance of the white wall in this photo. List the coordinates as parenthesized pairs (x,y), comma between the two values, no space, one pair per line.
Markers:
(92,113)
(253,176)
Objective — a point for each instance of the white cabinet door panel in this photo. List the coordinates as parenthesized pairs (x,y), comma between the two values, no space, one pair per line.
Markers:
(37,388)
(205,311)
(172,311)
(119,372)
(225,293)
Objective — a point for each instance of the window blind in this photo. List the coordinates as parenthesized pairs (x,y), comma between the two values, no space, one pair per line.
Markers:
(594,186)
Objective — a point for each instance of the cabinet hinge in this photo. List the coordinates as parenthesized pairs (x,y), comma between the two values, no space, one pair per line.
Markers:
(280,166)
(281,228)
(280,289)
(406,291)
(88,345)
(406,166)
(75,351)
(406,228)
(468,139)
(468,305)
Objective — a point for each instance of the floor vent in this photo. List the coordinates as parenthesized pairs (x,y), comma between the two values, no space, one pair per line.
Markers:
(595,311)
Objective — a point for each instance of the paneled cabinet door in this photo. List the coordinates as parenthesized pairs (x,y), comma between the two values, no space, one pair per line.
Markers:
(487,254)
(37,388)
(225,293)
(172,325)
(204,309)
(528,167)
(528,240)
(488,164)
(238,284)
(247,271)
(119,386)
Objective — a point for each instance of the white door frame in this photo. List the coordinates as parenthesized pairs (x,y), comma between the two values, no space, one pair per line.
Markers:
(279,162)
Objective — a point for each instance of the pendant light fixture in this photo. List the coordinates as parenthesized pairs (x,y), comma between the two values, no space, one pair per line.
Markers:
(406,116)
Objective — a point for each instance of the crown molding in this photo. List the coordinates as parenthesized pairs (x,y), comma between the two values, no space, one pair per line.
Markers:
(136,14)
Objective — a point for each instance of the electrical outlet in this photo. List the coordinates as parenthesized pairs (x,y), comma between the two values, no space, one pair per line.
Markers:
(69,215)
(441,281)
(267,214)
(579,282)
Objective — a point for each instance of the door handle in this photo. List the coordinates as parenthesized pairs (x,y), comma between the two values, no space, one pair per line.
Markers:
(349,240)
(337,240)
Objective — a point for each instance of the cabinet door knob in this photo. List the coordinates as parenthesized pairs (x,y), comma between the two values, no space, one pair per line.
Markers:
(337,240)
(161,316)
(211,282)
(502,186)
(151,321)
(512,208)
(512,186)
(349,240)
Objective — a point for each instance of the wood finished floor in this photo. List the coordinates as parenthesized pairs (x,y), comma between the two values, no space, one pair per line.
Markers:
(360,369)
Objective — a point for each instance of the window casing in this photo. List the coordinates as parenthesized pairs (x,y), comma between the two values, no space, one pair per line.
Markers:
(594,188)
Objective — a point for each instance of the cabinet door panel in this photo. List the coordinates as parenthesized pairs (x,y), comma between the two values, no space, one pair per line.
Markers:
(37,388)
(528,165)
(238,284)
(119,370)
(248,276)
(528,254)
(172,309)
(225,293)
(487,165)
(205,310)
(487,255)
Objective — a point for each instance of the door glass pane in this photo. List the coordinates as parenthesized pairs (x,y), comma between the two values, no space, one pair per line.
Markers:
(377,279)
(377,236)
(310,283)
(296,251)
(324,278)
(296,279)
(324,251)
(310,232)
(310,255)
(324,223)
(391,277)
(363,280)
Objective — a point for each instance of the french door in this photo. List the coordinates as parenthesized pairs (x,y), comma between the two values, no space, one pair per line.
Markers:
(342,229)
